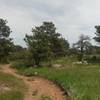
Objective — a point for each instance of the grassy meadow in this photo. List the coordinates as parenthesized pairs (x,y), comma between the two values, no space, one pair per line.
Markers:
(81,82)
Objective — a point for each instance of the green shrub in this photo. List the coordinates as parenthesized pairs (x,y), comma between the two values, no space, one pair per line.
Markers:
(94,59)
(21,63)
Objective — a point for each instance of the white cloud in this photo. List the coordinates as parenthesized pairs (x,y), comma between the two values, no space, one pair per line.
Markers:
(72,17)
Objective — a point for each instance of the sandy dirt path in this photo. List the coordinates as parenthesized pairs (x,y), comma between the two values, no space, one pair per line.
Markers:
(38,88)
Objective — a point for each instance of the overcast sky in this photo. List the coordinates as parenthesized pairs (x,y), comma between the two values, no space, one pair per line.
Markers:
(71,17)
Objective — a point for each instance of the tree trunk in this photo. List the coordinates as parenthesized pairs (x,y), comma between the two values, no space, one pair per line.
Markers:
(82,53)
(37,62)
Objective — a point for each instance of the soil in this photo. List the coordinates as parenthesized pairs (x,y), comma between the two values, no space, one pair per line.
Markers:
(38,88)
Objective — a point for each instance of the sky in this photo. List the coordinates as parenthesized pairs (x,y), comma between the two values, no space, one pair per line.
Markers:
(71,17)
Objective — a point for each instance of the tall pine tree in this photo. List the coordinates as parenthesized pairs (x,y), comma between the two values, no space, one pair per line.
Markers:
(45,43)
(97,37)
(5,41)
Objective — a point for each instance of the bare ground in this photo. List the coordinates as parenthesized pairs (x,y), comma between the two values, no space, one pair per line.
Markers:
(38,88)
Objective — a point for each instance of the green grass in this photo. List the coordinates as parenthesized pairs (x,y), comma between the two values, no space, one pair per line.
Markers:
(43,97)
(82,82)
(16,86)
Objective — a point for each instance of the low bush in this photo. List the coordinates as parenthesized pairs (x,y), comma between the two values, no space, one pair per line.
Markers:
(21,63)
(94,59)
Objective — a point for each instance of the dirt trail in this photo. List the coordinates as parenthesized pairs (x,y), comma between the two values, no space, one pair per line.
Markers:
(38,88)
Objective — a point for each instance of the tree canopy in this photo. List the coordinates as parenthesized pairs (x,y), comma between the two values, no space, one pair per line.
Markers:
(5,41)
(97,37)
(45,43)
(82,45)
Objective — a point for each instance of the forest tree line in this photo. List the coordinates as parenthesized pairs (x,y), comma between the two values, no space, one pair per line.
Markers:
(44,45)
